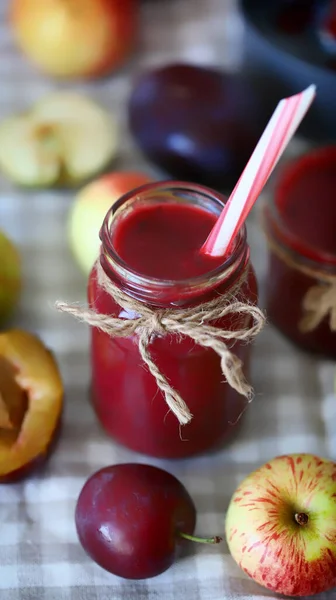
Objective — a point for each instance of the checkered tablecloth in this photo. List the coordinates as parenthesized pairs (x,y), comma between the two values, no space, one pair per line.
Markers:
(294,410)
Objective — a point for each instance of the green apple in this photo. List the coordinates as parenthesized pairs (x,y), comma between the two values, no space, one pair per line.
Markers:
(281,525)
(89,209)
(10,277)
(64,139)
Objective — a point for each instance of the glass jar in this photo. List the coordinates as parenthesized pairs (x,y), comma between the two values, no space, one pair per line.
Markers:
(125,395)
(299,223)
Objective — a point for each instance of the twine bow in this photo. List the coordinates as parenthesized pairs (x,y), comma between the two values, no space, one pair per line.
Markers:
(318,303)
(147,322)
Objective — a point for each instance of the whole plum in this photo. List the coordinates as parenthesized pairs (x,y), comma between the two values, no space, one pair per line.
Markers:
(130,518)
(196,123)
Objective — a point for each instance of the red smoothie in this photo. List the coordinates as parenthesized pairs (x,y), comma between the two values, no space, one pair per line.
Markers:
(302,224)
(158,240)
(164,241)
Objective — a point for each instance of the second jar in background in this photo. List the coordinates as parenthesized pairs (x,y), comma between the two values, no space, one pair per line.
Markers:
(300,227)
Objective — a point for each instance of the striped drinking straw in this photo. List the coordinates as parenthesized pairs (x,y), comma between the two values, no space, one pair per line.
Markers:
(277,135)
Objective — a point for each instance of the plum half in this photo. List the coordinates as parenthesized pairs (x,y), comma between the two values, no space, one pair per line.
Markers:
(31,400)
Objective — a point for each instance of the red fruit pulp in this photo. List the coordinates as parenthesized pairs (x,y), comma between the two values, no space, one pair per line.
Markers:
(164,241)
(129,516)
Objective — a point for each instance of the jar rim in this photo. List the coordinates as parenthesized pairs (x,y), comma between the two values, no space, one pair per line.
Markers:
(290,174)
(227,266)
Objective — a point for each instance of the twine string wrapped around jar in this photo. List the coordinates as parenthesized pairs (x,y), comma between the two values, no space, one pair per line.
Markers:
(193,322)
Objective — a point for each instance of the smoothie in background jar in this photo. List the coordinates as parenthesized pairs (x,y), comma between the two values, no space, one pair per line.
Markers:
(150,248)
(300,225)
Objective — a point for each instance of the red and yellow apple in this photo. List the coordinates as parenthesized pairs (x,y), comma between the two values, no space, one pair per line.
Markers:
(31,399)
(281,525)
(75,38)
(66,138)
(10,277)
(89,210)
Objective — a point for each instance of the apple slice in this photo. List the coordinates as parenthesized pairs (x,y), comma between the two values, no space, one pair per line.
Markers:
(64,139)
(31,402)
(27,155)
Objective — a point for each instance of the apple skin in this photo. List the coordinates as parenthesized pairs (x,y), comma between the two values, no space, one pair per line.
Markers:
(81,38)
(89,210)
(264,536)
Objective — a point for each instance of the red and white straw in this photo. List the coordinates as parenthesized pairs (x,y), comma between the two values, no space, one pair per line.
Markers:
(278,133)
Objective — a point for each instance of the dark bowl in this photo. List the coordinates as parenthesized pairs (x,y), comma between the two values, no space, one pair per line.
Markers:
(283,64)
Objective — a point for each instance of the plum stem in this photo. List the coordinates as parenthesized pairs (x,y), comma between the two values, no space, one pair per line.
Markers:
(213,540)
(301,518)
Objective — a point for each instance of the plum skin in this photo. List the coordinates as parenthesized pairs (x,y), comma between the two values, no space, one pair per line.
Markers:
(128,517)
(196,123)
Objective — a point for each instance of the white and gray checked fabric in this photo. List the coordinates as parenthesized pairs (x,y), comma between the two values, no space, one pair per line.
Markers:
(294,410)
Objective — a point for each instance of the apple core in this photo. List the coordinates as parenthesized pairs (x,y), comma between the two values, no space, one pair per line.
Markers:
(301,518)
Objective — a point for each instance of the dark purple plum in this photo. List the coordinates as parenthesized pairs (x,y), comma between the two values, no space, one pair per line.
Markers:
(196,123)
(130,517)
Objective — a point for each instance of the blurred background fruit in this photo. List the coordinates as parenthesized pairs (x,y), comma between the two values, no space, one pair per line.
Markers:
(89,209)
(196,123)
(75,38)
(10,277)
(65,138)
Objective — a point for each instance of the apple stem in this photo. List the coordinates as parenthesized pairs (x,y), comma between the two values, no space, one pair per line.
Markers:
(301,518)
(213,540)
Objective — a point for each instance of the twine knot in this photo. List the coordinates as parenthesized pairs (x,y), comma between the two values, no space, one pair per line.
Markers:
(156,324)
(194,322)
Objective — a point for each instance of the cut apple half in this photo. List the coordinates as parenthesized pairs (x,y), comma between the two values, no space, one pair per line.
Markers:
(31,400)
(64,139)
